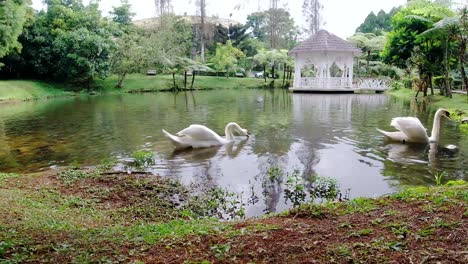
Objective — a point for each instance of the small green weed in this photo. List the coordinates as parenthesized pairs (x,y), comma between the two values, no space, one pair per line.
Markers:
(295,189)
(72,175)
(362,232)
(361,205)
(438,177)
(324,188)
(425,232)
(142,158)
(221,250)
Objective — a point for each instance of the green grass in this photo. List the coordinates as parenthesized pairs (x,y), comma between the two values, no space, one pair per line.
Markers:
(140,82)
(26,90)
(16,90)
(458,102)
(458,105)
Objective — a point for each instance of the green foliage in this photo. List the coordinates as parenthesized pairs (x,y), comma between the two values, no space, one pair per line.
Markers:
(274,27)
(405,43)
(226,58)
(324,188)
(13,15)
(377,24)
(128,57)
(142,159)
(438,177)
(122,14)
(295,189)
(72,175)
(172,39)
(67,42)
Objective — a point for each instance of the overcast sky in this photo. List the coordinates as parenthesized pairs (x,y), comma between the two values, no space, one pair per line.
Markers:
(342,17)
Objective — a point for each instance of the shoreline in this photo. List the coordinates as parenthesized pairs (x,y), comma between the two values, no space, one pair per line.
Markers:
(81,215)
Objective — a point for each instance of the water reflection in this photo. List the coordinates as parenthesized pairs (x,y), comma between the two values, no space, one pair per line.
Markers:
(330,135)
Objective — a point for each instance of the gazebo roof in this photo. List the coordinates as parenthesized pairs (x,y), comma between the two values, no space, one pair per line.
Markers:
(324,41)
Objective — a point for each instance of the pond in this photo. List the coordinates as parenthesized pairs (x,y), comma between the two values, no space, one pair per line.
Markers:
(330,135)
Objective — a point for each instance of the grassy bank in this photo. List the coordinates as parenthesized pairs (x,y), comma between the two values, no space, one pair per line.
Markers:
(458,105)
(25,90)
(30,90)
(458,102)
(140,82)
(93,216)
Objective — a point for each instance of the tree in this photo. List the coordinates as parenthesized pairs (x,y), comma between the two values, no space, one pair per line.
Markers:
(122,15)
(282,34)
(13,15)
(227,57)
(201,11)
(163,7)
(167,42)
(128,57)
(377,24)
(456,28)
(369,43)
(312,12)
(406,47)
(85,55)
(67,42)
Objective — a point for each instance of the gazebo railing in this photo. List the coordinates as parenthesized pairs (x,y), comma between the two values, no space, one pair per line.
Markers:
(373,83)
(325,83)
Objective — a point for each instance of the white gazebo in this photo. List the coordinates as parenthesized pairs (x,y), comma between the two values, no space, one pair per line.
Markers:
(324,62)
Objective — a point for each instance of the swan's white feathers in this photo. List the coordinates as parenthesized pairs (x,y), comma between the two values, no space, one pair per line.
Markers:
(199,136)
(395,136)
(198,132)
(411,127)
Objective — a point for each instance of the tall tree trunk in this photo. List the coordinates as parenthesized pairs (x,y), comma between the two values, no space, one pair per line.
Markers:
(284,74)
(173,80)
(202,25)
(444,90)
(193,80)
(273,72)
(264,73)
(185,80)
(462,65)
(120,80)
(430,83)
(368,61)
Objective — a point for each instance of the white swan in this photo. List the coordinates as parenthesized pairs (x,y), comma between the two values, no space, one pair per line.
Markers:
(411,130)
(198,136)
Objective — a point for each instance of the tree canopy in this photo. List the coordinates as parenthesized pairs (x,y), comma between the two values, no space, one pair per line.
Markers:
(13,15)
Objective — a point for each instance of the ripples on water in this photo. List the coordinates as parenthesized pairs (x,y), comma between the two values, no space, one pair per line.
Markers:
(330,135)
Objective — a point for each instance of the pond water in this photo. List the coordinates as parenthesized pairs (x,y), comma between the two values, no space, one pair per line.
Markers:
(331,135)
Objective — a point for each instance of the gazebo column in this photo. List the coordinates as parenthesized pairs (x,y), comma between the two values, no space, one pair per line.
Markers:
(297,72)
(351,70)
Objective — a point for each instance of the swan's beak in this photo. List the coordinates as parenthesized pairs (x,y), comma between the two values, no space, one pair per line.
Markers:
(447,115)
(246,132)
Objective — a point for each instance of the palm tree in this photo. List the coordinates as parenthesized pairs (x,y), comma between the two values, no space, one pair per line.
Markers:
(456,28)
(369,43)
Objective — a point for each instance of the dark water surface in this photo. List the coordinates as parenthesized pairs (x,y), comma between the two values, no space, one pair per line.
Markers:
(330,135)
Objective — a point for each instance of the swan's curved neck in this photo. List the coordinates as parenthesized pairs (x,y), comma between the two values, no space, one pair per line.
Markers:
(435,134)
(229,132)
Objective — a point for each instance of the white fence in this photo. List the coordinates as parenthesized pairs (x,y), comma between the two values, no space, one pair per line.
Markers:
(373,83)
(324,83)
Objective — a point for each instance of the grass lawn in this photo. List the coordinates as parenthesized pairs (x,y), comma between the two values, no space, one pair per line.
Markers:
(80,216)
(24,90)
(19,90)
(140,82)
(458,102)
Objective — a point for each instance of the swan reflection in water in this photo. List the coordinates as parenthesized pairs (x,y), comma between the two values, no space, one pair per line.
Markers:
(232,148)
(415,153)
